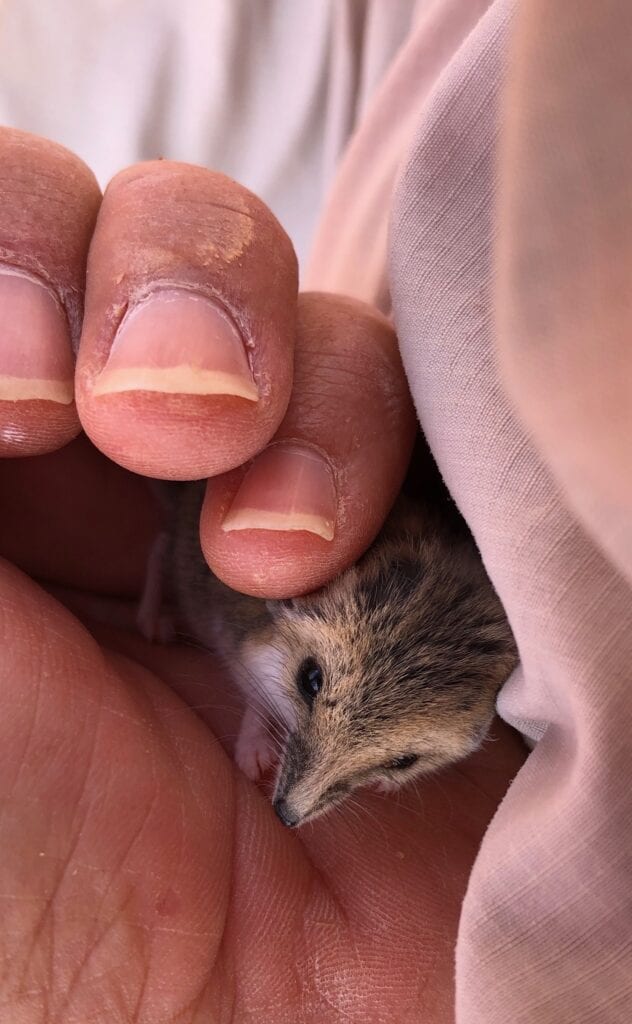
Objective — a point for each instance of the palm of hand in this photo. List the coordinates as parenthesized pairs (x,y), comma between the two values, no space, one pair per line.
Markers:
(143,877)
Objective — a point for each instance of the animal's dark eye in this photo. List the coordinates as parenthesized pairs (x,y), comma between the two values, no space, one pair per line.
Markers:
(309,679)
(398,764)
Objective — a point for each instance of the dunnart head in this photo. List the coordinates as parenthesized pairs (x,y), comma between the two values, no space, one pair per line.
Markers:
(391,671)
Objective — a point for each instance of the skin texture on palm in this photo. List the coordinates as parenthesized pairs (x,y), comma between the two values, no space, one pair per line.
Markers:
(143,874)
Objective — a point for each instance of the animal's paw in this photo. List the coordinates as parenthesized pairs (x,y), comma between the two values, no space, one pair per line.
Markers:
(254,752)
(155,624)
(159,629)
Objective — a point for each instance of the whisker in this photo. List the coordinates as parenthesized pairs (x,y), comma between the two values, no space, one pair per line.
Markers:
(397,797)
(361,808)
(350,825)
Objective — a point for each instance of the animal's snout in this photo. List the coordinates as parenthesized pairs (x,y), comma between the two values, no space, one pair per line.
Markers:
(286,814)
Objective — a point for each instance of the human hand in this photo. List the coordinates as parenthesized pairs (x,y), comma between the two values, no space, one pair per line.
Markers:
(142,877)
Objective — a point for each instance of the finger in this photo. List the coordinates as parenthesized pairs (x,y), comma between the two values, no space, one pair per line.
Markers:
(185,365)
(314,499)
(48,204)
(565,305)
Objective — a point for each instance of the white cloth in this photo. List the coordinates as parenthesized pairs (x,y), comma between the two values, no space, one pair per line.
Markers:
(267,91)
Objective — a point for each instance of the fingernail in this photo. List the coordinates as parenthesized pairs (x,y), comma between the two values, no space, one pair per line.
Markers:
(288,487)
(35,354)
(176,342)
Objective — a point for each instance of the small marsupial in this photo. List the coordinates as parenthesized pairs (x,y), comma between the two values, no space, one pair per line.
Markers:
(388,672)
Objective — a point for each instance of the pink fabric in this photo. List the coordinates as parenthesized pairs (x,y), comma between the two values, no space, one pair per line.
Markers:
(349,253)
(546,928)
